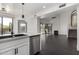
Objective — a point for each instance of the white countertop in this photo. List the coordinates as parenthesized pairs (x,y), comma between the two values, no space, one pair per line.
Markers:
(33,34)
(6,35)
(30,34)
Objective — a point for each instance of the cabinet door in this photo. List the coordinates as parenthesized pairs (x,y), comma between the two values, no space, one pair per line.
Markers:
(11,52)
(24,50)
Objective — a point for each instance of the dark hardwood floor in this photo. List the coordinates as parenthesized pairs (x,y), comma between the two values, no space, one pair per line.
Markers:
(58,45)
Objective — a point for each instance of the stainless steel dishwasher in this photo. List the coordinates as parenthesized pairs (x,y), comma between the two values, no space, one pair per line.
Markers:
(34,44)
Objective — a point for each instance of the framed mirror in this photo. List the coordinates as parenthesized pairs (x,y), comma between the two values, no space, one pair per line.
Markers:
(22,26)
(74,19)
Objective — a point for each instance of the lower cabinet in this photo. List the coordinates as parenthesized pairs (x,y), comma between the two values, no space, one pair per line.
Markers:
(22,50)
(16,47)
(11,52)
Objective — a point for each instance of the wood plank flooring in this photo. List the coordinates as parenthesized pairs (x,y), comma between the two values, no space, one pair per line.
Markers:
(58,45)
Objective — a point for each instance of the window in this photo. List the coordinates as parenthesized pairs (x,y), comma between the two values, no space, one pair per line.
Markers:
(6,26)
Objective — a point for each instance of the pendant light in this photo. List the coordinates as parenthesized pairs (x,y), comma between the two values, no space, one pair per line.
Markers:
(3,7)
(22,10)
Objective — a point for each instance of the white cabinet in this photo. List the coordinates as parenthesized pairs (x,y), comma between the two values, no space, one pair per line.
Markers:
(15,46)
(11,52)
(24,50)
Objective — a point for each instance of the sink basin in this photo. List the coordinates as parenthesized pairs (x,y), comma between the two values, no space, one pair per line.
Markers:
(17,35)
(10,36)
(3,37)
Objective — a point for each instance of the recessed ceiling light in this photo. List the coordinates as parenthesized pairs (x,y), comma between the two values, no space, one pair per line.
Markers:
(44,6)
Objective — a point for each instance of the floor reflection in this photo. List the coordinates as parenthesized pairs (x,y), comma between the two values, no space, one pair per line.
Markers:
(51,44)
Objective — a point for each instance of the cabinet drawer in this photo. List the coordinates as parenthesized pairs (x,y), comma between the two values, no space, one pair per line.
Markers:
(6,46)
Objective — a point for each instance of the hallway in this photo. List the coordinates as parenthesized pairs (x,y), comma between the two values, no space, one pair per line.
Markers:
(58,45)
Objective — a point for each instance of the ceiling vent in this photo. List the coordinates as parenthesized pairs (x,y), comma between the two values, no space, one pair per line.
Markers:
(63,5)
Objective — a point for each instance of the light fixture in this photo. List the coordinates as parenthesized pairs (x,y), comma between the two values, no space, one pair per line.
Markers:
(22,10)
(44,6)
(3,7)
(62,5)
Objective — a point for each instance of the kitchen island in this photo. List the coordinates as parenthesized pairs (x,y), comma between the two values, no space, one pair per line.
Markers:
(34,43)
(14,45)
(19,44)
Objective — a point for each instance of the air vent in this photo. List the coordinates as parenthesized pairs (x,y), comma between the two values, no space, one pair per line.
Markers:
(63,5)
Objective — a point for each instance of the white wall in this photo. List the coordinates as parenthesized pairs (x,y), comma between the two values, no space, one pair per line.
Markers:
(64,23)
(31,21)
(31,24)
(60,23)
(44,21)
(78,28)
(15,24)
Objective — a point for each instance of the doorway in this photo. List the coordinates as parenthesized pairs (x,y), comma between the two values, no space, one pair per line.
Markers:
(72,32)
(46,28)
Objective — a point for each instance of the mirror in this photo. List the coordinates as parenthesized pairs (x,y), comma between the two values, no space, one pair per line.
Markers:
(22,26)
(74,19)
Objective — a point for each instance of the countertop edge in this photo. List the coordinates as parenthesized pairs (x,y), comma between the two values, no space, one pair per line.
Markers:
(12,39)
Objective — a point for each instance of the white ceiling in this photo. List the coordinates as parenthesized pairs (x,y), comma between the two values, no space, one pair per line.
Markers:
(29,8)
(38,7)
(53,13)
